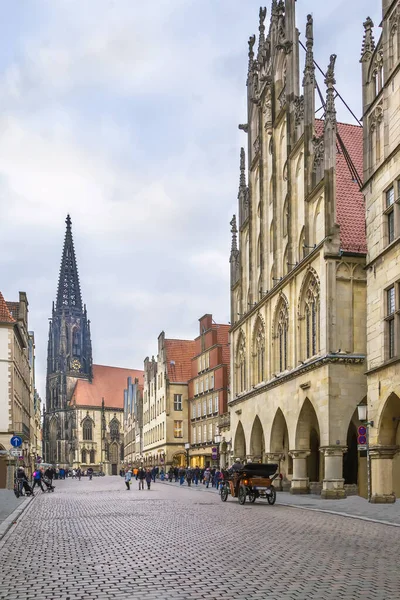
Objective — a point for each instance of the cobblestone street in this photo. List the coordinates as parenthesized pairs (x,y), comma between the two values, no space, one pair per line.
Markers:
(94,539)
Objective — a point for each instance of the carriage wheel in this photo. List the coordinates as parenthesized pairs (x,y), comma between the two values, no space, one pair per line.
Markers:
(242,494)
(272,496)
(224,493)
(252,496)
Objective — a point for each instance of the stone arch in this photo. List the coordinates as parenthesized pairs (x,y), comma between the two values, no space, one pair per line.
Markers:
(279,443)
(280,334)
(239,447)
(257,441)
(309,315)
(350,458)
(241,363)
(343,271)
(308,438)
(258,350)
(389,422)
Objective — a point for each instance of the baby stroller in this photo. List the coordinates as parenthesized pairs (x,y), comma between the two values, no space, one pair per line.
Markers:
(49,486)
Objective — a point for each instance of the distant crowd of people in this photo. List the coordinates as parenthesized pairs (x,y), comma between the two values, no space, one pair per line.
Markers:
(209,476)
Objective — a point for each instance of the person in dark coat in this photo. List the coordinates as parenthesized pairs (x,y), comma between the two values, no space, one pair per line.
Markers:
(149,477)
(141,477)
(189,477)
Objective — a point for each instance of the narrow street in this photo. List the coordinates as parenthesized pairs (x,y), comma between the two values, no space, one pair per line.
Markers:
(94,539)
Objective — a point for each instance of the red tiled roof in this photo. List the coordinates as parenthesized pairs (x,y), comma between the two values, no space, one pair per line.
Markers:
(350,208)
(180,352)
(13,307)
(108,383)
(5,315)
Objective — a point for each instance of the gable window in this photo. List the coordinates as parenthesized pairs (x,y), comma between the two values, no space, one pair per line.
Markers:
(178,431)
(177,401)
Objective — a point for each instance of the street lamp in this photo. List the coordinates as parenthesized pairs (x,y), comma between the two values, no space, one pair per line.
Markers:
(217,442)
(187,446)
(362,410)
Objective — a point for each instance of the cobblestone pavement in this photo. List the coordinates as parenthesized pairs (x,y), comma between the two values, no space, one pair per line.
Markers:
(353,506)
(95,540)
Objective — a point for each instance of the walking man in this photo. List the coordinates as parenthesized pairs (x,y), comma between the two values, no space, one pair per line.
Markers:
(37,479)
(128,478)
(141,478)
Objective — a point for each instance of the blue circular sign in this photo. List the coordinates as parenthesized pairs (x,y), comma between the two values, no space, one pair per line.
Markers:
(362,440)
(362,430)
(16,441)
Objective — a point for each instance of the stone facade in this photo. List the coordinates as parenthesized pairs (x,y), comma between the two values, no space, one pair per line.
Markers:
(208,392)
(381,119)
(16,392)
(165,403)
(298,283)
(133,423)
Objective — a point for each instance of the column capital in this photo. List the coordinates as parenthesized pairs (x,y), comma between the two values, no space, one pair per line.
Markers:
(274,456)
(299,453)
(333,450)
(383,451)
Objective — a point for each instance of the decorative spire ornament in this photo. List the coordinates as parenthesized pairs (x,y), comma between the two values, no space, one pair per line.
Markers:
(69,292)
(234,232)
(251,42)
(242,178)
(330,81)
(309,70)
(368,45)
(261,37)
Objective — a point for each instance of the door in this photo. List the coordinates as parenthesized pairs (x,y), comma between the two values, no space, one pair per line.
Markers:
(114,468)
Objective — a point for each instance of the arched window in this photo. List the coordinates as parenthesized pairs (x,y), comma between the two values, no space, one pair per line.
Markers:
(92,454)
(84,456)
(310,315)
(87,429)
(114,429)
(259,352)
(241,365)
(281,336)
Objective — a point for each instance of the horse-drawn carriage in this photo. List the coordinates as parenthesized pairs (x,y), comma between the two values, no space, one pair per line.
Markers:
(252,481)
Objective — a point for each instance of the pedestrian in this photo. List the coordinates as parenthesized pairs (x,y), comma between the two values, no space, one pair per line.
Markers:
(153,474)
(196,475)
(79,473)
(135,472)
(181,475)
(49,473)
(62,473)
(162,474)
(176,474)
(207,476)
(37,479)
(189,476)
(141,477)
(149,478)
(128,478)
(90,473)
(22,478)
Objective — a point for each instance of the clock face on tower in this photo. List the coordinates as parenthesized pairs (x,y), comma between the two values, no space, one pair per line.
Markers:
(76,365)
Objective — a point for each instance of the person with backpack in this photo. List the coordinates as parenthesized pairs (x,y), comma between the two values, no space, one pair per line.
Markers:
(141,477)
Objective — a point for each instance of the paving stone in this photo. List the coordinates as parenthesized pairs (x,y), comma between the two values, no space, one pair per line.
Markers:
(96,542)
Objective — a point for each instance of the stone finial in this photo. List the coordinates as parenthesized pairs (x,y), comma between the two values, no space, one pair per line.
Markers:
(251,42)
(309,70)
(242,179)
(261,37)
(368,45)
(234,231)
(330,115)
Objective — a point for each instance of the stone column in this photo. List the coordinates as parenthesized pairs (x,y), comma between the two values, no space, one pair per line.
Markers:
(382,474)
(300,481)
(275,457)
(333,484)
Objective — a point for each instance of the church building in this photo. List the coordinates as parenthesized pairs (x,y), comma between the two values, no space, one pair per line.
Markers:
(298,280)
(83,422)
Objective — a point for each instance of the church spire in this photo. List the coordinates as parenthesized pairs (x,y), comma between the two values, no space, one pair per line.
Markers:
(368,45)
(69,292)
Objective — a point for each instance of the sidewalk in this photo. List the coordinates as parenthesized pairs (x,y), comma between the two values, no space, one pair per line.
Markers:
(10,509)
(353,506)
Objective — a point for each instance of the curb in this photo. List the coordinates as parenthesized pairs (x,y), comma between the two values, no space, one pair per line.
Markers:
(325,510)
(341,514)
(13,517)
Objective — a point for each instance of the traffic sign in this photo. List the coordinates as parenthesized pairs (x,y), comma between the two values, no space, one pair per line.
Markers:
(14,452)
(362,430)
(361,447)
(362,440)
(16,441)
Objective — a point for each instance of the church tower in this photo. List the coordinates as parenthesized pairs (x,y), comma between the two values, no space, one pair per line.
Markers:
(69,356)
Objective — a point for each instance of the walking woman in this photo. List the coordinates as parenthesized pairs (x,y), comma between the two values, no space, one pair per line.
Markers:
(128,477)
(149,478)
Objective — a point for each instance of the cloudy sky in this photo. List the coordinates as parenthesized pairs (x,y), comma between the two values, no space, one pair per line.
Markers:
(124,113)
